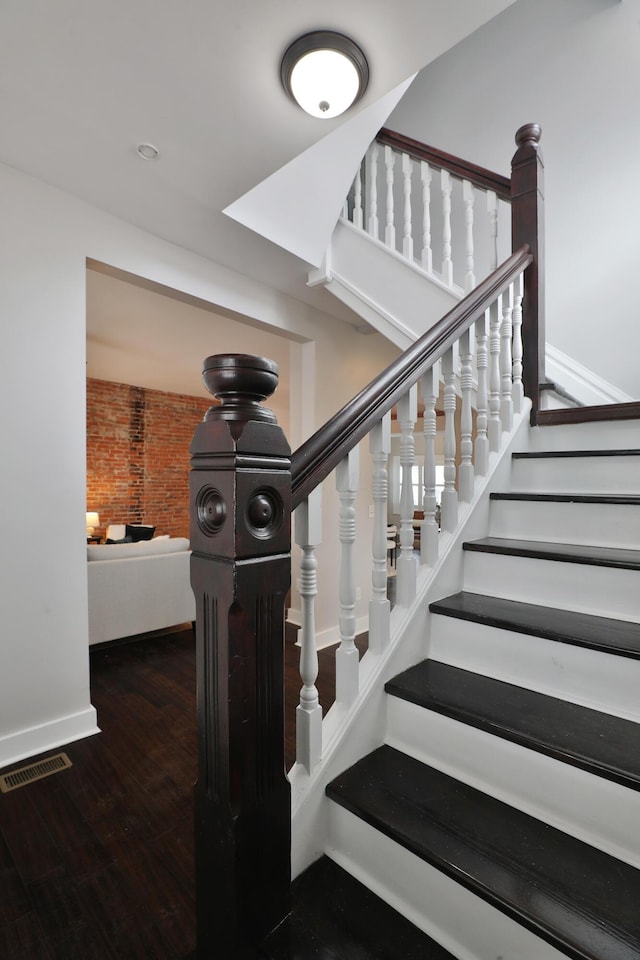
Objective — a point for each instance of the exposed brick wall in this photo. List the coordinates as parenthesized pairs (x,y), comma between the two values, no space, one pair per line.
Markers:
(138,455)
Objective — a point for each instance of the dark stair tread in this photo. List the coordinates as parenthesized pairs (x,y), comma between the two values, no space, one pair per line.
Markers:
(574,896)
(621,558)
(335,917)
(619,637)
(564,454)
(594,741)
(616,499)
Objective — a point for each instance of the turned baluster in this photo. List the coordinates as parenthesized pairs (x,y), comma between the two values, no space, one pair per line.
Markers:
(506,367)
(357,200)
(407,239)
(308,531)
(240,506)
(347,655)
(492,211)
(427,256)
(465,473)
(518,392)
(449,503)
(495,424)
(447,263)
(379,607)
(468,196)
(481,452)
(430,529)
(389,230)
(407,565)
(372,222)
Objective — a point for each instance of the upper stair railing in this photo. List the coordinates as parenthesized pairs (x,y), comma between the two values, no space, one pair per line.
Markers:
(244,486)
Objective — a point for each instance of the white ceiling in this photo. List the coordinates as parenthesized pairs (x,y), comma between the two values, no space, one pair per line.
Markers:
(84,81)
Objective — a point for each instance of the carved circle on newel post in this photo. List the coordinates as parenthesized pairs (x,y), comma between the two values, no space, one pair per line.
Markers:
(211,510)
(264,513)
(241,382)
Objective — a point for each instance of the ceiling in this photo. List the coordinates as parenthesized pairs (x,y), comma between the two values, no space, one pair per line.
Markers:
(85,81)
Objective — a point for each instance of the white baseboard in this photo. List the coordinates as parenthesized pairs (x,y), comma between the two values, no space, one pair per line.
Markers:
(330,636)
(582,383)
(47,736)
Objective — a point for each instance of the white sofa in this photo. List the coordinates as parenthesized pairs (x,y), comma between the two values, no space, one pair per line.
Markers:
(136,587)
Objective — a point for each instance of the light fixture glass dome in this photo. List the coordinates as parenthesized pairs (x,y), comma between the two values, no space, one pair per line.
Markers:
(325,73)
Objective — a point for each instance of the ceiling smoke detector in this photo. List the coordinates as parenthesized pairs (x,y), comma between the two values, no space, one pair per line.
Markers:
(147,151)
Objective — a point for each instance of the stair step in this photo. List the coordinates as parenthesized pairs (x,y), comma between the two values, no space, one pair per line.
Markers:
(596,742)
(569,498)
(575,897)
(615,472)
(617,557)
(618,637)
(336,917)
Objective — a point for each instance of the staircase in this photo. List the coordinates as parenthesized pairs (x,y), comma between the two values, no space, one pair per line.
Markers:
(500,815)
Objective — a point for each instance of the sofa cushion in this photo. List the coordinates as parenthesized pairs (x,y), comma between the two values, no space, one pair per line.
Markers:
(142,548)
(139,531)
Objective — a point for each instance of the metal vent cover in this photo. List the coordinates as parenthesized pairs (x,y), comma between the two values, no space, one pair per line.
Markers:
(33,771)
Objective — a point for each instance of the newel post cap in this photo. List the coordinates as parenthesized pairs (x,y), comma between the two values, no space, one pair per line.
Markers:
(241,382)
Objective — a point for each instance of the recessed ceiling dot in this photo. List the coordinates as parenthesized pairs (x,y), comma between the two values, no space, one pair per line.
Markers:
(147,151)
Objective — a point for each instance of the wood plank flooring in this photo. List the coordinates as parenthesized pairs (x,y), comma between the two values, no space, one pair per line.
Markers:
(96,862)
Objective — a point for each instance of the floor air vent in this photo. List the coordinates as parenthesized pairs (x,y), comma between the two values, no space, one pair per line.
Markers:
(34,771)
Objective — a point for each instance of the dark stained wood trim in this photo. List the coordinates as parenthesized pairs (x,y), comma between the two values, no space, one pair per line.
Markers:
(479,176)
(317,457)
(605,411)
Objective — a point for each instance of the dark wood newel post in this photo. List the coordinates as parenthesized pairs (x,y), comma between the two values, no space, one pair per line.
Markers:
(240,494)
(527,226)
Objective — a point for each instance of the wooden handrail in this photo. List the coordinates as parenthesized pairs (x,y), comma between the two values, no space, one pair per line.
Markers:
(314,460)
(479,176)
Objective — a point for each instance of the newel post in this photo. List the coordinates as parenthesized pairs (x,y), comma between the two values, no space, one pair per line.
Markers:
(527,226)
(240,501)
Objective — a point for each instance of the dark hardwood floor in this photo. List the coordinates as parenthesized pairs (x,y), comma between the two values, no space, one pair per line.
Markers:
(96,862)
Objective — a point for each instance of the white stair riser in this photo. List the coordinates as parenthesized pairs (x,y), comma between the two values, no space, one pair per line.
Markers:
(591,808)
(610,474)
(603,591)
(589,678)
(598,524)
(462,922)
(605,435)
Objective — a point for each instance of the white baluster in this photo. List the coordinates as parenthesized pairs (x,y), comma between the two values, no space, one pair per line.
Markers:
(407,567)
(518,390)
(492,211)
(468,196)
(372,222)
(481,457)
(495,425)
(447,263)
(379,606)
(427,256)
(465,473)
(308,533)
(389,230)
(407,239)
(357,200)
(449,503)
(347,654)
(430,529)
(506,368)
(345,209)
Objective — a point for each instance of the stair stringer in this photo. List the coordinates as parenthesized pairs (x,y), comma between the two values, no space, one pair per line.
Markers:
(392,294)
(349,734)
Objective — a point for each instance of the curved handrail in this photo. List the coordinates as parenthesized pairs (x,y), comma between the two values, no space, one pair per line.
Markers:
(479,176)
(314,460)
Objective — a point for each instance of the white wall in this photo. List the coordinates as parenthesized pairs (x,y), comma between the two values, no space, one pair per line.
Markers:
(572,66)
(45,239)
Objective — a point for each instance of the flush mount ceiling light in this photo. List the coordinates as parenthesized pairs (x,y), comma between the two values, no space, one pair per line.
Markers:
(147,151)
(325,73)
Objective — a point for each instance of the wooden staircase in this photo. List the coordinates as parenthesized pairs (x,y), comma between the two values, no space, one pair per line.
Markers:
(500,816)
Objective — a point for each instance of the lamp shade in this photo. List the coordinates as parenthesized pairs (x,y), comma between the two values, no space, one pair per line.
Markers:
(325,73)
(93,520)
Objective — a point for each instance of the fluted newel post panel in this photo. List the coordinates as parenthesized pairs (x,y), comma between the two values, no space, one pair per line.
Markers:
(240,495)
(527,227)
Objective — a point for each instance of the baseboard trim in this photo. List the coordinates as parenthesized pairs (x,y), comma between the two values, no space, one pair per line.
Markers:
(47,736)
